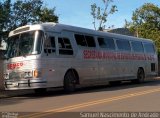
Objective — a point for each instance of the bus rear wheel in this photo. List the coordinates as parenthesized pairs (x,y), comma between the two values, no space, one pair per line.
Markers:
(69,82)
(140,76)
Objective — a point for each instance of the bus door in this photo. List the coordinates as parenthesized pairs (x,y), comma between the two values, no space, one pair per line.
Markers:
(85,60)
(49,60)
(65,54)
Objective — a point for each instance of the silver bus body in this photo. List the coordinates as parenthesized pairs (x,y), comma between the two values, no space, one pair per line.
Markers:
(42,55)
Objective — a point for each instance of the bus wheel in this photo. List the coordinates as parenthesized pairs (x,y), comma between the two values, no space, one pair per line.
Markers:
(69,82)
(140,76)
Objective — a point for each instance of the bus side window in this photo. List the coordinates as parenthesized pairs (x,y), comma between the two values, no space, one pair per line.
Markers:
(107,43)
(123,45)
(137,46)
(85,41)
(80,39)
(65,47)
(90,41)
(49,45)
(149,48)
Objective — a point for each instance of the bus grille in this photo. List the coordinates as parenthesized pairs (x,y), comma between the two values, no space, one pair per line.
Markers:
(16,75)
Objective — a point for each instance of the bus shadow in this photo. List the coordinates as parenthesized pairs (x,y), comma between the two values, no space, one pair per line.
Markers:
(92,89)
(123,85)
(84,90)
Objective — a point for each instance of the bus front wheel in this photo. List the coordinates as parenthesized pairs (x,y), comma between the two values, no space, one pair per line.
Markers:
(69,82)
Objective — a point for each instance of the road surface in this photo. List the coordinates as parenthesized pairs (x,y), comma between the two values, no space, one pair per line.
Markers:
(87,102)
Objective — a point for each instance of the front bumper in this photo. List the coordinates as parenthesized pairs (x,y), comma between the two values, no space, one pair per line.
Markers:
(25,84)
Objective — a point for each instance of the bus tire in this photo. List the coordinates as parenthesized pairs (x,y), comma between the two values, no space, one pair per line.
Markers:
(69,82)
(140,76)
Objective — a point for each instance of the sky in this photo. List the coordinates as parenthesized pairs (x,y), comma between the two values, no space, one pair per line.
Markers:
(78,12)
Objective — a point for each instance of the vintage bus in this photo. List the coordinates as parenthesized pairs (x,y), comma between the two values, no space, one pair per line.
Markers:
(51,55)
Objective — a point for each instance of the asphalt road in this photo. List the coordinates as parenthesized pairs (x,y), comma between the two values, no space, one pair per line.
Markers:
(87,102)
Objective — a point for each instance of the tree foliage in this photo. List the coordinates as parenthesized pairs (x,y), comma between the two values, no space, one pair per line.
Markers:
(22,12)
(100,15)
(46,15)
(4,17)
(146,23)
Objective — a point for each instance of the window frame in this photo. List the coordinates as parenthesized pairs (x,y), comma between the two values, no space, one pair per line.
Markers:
(50,46)
(65,49)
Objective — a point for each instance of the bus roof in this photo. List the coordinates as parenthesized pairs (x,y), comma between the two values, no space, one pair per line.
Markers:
(56,27)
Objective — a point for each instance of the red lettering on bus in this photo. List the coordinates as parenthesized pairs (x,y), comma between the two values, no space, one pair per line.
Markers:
(92,54)
(13,66)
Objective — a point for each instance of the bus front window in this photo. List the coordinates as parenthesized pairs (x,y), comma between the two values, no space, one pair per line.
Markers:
(24,44)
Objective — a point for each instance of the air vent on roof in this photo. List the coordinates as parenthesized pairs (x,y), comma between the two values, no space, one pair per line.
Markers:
(21,30)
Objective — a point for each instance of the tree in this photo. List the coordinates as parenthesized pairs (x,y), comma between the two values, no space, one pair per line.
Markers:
(47,15)
(31,11)
(100,15)
(146,23)
(23,12)
(4,17)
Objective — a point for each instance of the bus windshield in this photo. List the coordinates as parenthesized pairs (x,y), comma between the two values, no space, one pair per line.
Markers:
(24,44)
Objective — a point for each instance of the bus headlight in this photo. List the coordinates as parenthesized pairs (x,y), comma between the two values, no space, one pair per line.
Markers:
(6,76)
